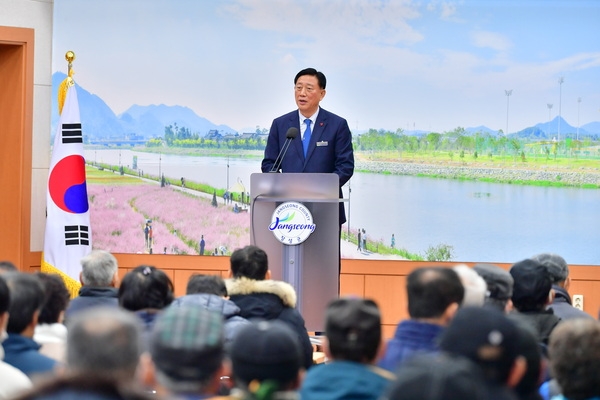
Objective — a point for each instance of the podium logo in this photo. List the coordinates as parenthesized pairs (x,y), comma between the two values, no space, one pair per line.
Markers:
(292,223)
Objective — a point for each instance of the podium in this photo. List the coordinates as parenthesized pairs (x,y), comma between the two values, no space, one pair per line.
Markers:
(312,266)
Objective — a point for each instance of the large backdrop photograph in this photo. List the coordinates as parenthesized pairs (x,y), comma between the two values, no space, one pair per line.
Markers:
(475,124)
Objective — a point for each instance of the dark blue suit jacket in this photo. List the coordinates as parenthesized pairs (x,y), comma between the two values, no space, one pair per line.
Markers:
(329,150)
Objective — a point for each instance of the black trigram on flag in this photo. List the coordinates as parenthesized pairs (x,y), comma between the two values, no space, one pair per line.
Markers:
(71,133)
(77,235)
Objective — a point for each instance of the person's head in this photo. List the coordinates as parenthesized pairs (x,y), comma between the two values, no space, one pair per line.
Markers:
(531,291)
(26,301)
(574,352)
(309,90)
(434,293)
(353,330)
(99,269)
(56,300)
(499,285)
(557,268)
(474,285)
(7,266)
(487,337)
(210,284)
(145,287)
(266,351)
(437,376)
(249,262)
(104,342)
(187,348)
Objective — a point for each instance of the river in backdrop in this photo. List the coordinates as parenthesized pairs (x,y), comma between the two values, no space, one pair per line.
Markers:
(485,222)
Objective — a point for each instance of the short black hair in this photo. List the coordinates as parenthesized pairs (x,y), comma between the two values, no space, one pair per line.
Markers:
(431,290)
(7,266)
(4,296)
(145,287)
(313,72)
(353,329)
(56,299)
(26,297)
(211,284)
(249,262)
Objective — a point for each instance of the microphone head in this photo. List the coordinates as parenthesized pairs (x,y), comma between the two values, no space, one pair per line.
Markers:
(291,133)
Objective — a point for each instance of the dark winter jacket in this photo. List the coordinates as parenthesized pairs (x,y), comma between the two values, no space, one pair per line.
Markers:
(270,300)
(563,307)
(92,297)
(411,337)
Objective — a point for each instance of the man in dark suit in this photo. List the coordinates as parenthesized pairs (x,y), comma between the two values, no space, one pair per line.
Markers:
(327,147)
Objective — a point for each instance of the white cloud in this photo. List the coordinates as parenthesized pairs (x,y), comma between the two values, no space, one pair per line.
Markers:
(375,20)
(490,40)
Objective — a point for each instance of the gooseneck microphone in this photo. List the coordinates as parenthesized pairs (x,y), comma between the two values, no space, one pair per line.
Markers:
(289,136)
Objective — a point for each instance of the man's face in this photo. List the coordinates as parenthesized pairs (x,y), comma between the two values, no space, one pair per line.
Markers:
(308,94)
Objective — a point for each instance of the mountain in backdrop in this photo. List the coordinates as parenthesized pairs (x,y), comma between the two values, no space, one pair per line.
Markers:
(100,122)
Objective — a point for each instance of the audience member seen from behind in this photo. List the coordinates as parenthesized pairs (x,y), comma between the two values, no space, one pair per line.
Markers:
(434,295)
(257,296)
(499,286)
(353,343)
(102,358)
(561,305)
(50,331)
(146,290)
(7,266)
(26,301)
(574,352)
(487,337)
(210,292)
(104,341)
(267,361)
(188,355)
(13,380)
(531,295)
(99,279)
(474,285)
(437,376)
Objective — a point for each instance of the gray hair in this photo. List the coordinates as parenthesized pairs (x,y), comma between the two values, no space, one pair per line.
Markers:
(98,268)
(474,284)
(104,342)
(556,265)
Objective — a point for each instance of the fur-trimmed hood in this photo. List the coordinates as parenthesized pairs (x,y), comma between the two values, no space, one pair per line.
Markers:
(245,286)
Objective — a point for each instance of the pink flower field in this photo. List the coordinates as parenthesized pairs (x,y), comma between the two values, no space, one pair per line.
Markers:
(119,212)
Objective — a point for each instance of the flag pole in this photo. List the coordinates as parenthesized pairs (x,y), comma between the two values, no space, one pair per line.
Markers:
(68,236)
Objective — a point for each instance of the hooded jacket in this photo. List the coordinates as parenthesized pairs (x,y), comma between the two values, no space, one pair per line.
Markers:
(269,300)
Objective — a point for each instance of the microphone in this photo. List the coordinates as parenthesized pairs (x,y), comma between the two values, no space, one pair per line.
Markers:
(289,136)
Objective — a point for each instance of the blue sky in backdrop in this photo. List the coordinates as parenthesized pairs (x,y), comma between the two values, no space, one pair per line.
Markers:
(425,65)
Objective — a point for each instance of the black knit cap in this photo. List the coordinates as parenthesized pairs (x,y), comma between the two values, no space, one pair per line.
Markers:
(485,336)
(266,350)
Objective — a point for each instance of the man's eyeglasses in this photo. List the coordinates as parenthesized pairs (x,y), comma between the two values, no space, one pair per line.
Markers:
(309,89)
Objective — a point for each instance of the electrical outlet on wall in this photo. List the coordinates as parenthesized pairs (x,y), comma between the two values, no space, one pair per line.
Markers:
(578,301)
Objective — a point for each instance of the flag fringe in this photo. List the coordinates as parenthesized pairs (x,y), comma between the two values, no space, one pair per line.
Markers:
(72,285)
(62,94)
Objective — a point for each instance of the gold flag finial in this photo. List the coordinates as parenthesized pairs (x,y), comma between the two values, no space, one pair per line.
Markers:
(64,85)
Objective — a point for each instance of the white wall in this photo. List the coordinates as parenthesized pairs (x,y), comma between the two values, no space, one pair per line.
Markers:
(36,14)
